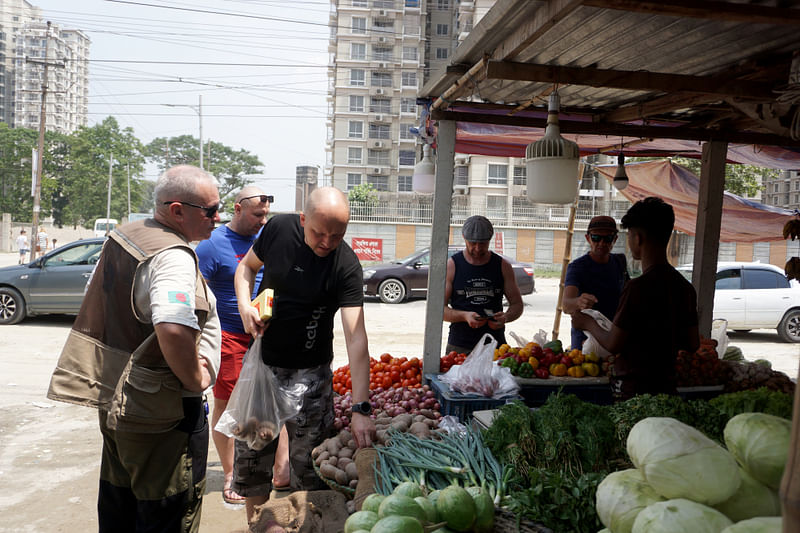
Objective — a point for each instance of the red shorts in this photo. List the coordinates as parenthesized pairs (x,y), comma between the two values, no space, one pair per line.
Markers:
(234,346)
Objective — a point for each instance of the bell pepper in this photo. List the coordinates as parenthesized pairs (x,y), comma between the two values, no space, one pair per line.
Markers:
(577,357)
(591,357)
(558,369)
(525,370)
(555,346)
(591,369)
(533,362)
(565,360)
(575,372)
(511,364)
(541,373)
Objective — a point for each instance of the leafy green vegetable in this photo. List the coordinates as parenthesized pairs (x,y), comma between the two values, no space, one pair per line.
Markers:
(760,443)
(762,400)
(679,516)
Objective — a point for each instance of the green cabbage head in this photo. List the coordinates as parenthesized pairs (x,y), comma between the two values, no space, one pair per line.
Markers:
(678,461)
(760,443)
(762,524)
(751,500)
(620,497)
(680,516)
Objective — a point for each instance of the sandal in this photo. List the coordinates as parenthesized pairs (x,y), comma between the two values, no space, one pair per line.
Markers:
(231,496)
(280,488)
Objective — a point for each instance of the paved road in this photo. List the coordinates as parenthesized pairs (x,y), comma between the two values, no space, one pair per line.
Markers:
(49,451)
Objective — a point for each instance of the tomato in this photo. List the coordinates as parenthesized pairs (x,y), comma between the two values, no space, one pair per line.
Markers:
(385,357)
(349,383)
(395,375)
(386,382)
(410,373)
(405,365)
(405,383)
(415,362)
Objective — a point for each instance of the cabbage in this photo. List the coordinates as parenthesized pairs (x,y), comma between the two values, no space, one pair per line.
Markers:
(751,500)
(762,524)
(620,497)
(680,516)
(680,462)
(760,443)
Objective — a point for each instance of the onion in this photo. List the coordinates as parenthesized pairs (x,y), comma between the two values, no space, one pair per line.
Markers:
(338,424)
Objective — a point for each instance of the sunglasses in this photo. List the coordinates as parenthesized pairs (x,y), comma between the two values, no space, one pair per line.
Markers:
(604,238)
(208,212)
(263,198)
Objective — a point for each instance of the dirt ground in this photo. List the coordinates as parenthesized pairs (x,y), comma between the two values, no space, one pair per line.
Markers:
(50,451)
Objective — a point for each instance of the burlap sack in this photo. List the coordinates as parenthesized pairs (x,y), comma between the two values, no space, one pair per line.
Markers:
(319,511)
(365,459)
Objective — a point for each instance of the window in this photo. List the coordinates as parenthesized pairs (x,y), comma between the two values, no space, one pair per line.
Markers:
(357,77)
(496,206)
(379,131)
(410,53)
(757,278)
(356,103)
(378,157)
(408,105)
(797,185)
(358,51)
(353,155)
(355,129)
(405,131)
(404,184)
(442,29)
(359,25)
(412,3)
(383,26)
(382,53)
(409,79)
(381,79)
(359,3)
(407,158)
(728,280)
(380,183)
(442,53)
(442,4)
(380,105)
(461,175)
(520,174)
(353,180)
(498,175)
(776,188)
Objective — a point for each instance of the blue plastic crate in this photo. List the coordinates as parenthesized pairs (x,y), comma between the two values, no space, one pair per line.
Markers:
(462,405)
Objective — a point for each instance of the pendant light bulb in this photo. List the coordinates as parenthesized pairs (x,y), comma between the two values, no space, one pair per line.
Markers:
(620,177)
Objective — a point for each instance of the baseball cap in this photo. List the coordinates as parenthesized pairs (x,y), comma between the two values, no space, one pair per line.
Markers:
(603,223)
(477,228)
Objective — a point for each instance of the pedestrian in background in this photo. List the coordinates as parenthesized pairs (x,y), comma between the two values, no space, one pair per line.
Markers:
(219,256)
(22,246)
(41,240)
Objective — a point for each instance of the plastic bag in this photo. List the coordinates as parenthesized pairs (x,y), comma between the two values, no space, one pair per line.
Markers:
(479,375)
(540,338)
(259,406)
(719,333)
(590,345)
(521,341)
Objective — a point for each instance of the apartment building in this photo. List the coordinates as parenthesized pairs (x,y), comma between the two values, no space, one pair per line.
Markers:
(14,14)
(783,191)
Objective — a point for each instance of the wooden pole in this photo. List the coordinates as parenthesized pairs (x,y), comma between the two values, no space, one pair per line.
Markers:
(567,254)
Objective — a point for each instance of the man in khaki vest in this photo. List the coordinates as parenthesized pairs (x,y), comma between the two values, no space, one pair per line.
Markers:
(144,347)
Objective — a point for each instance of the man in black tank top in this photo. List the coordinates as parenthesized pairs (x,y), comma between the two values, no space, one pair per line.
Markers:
(476,281)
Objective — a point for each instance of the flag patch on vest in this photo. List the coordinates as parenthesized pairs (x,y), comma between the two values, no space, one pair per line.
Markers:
(178,297)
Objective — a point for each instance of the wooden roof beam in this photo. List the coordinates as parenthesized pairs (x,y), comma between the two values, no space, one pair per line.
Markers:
(632,80)
(658,106)
(725,11)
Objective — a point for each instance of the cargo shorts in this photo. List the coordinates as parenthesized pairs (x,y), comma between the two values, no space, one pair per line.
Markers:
(252,469)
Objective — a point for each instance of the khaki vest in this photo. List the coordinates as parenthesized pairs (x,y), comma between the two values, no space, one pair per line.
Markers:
(110,352)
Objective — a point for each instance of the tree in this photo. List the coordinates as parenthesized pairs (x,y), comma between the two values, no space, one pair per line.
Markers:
(230,167)
(742,180)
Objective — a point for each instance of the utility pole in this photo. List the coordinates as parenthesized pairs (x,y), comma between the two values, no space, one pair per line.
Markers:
(108,201)
(200,117)
(129,190)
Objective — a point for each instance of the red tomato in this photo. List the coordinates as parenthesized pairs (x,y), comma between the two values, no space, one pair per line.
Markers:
(405,365)
(414,362)
(385,357)
(386,382)
(395,375)
(410,373)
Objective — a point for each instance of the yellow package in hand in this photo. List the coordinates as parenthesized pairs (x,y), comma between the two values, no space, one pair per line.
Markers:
(263,303)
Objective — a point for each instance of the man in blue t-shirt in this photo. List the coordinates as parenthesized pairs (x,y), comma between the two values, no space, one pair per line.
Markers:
(219,256)
(595,280)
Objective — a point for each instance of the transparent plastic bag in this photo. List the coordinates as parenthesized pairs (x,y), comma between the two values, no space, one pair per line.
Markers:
(259,406)
(479,375)
(540,338)
(590,345)
(719,332)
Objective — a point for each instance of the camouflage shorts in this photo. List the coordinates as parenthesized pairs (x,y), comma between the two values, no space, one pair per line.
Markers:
(252,469)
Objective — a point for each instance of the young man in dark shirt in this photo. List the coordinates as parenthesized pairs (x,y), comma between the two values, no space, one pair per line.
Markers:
(657,314)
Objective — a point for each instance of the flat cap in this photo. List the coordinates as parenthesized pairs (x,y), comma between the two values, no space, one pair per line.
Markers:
(477,228)
(603,222)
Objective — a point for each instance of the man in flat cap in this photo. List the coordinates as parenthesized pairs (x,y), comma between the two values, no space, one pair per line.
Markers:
(595,280)
(476,281)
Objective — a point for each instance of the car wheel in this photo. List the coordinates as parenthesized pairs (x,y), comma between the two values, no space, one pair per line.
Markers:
(789,328)
(392,291)
(12,306)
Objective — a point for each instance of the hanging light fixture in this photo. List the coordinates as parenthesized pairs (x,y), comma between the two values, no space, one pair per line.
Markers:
(424,172)
(552,163)
(620,176)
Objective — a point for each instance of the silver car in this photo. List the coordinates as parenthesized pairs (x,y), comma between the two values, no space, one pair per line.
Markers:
(53,283)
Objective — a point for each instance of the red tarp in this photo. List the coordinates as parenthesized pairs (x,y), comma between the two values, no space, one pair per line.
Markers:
(742,220)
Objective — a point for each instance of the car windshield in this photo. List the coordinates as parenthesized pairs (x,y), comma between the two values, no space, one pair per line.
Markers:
(415,255)
(84,254)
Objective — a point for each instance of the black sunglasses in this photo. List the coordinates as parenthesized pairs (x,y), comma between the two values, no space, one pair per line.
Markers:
(605,238)
(208,212)
(263,198)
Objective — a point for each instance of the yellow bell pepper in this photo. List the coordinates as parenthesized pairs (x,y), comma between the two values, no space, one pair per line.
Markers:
(591,369)
(576,372)
(591,357)
(503,348)
(576,356)
(533,362)
(558,369)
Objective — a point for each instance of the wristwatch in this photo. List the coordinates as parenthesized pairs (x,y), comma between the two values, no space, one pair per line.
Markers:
(363,408)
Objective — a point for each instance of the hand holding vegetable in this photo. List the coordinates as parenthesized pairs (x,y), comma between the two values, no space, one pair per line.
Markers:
(363,430)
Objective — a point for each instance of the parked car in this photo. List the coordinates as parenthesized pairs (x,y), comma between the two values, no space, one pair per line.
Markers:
(755,295)
(53,283)
(396,281)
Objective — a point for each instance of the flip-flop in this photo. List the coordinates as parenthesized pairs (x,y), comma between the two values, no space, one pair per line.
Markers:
(281,488)
(230,496)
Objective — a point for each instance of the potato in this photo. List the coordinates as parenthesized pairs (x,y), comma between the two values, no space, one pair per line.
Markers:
(322,457)
(353,483)
(419,418)
(334,446)
(420,429)
(381,436)
(405,418)
(329,471)
(341,477)
(344,436)
(346,452)
(352,444)
(352,471)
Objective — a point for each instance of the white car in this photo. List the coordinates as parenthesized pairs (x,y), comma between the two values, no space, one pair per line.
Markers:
(754,296)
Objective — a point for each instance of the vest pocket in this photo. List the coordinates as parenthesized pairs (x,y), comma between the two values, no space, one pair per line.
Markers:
(151,400)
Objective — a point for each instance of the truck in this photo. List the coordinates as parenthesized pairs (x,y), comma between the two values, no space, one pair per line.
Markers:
(103,226)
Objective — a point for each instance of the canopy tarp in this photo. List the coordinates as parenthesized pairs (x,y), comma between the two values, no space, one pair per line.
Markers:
(742,220)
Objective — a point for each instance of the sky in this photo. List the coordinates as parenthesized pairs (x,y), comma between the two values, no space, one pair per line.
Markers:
(260,67)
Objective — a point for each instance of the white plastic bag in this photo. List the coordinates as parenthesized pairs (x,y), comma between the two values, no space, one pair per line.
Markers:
(719,333)
(521,341)
(479,375)
(540,338)
(590,345)
(258,406)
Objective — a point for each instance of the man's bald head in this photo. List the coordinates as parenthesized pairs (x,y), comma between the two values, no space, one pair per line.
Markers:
(249,212)
(248,192)
(325,219)
(329,200)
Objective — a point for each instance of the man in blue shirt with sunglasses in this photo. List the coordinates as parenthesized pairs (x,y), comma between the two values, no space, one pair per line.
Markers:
(595,280)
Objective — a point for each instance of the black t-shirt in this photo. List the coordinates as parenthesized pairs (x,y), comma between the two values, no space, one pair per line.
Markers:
(308,291)
(476,288)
